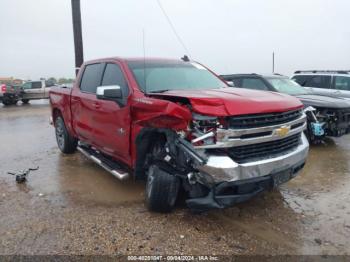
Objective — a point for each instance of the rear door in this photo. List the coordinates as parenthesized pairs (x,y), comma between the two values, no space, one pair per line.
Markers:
(342,85)
(84,102)
(112,118)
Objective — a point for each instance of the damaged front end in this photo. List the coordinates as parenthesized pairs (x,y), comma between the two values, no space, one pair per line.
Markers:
(226,160)
(248,155)
(336,120)
(322,122)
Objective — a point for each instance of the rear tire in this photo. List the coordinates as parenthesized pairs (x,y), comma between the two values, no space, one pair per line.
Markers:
(25,101)
(66,143)
(161,190)
(7,101)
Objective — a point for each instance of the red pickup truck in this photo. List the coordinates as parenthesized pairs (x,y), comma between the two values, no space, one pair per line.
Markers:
(177,125)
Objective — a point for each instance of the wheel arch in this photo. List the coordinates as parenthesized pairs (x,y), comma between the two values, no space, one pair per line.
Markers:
(56,113)
(145,140)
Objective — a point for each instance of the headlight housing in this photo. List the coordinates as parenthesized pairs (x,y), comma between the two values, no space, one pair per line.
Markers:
(203,129)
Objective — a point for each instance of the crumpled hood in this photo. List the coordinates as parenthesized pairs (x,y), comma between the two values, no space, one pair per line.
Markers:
(323,101)
(234,101)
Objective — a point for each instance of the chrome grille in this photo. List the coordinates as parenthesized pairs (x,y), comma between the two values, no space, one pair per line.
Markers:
(261,120)
(270,149)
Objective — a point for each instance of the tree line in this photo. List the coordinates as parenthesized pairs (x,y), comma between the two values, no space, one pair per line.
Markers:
(61,80)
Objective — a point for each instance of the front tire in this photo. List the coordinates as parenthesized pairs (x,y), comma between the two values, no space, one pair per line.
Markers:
(66,143)
(161,190)
(25,101)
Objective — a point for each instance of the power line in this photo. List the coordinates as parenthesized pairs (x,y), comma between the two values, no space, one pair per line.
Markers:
(172,27)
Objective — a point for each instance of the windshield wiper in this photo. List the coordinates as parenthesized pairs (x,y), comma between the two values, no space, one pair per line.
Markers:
(159,91)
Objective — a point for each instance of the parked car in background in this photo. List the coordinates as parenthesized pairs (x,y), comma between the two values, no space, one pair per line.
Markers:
(31,90)
(327,116)
(2,91)
(331,83)
(177,125)
(9,94)
(36,90)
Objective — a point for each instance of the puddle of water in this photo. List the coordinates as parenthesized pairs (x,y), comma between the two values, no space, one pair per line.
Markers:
(27,140)
(321,192)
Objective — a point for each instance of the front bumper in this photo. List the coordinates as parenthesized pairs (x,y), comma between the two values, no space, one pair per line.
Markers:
(230,183)
(227,194)
(223,169)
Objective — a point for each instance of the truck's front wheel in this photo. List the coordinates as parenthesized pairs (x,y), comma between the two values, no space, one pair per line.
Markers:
(161,190)
(66,143)
(25,101)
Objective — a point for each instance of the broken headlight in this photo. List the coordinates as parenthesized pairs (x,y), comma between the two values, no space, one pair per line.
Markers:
(204,129)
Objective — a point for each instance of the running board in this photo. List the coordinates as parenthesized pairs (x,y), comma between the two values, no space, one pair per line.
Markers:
(105,163)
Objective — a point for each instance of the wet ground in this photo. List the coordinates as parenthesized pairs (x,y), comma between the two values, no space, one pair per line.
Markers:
(71,206)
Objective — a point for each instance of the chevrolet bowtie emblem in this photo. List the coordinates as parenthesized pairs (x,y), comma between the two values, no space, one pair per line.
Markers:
(282,131)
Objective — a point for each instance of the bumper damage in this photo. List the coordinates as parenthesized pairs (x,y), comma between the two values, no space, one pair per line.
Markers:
(213,179)
(230,183)
(227,194)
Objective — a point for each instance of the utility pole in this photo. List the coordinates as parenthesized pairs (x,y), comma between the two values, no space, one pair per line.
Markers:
(273,62)
(78,37)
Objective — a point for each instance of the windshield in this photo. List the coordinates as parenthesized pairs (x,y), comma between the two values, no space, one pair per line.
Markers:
(287,86)
(163,76)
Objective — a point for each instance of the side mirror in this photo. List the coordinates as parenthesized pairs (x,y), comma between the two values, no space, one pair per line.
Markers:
(109,92)
(230,83)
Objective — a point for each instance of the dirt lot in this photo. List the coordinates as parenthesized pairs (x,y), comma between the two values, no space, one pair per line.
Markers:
(71,206)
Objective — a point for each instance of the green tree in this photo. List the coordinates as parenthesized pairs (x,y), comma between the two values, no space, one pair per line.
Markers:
(53,80)
(62,80)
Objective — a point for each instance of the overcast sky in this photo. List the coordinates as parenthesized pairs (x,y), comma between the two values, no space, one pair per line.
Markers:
(229,36)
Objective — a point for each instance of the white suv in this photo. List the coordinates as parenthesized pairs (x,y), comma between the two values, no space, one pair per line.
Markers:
(330,83)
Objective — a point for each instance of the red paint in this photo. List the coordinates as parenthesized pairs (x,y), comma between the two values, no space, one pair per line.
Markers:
(236,101)
(113,129)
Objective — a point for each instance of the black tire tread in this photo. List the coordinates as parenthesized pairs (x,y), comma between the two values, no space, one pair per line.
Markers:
(163,185)
(70,143)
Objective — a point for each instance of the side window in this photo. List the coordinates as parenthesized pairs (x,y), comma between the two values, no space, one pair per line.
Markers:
(36,85)
(114,76)
(254,83)
(342,83)
(237,82)
(91,78)
(318,81)
(49,83)
(301,80)
(27,85)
